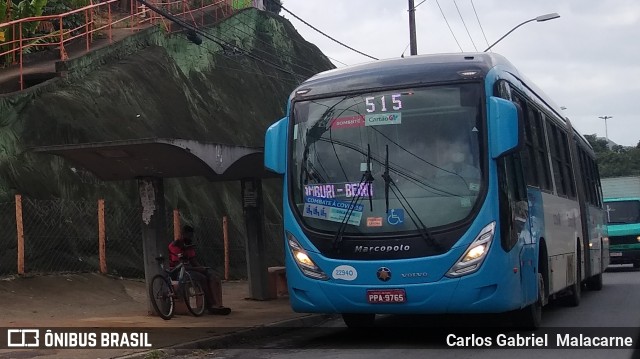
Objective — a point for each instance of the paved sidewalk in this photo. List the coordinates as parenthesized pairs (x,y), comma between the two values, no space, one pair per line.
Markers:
(182,331)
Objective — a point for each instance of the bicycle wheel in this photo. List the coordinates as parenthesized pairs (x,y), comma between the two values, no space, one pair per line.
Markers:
(161,295)
(193,295)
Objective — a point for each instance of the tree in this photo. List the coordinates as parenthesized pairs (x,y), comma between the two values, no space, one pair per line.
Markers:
(599,144)
(616,161)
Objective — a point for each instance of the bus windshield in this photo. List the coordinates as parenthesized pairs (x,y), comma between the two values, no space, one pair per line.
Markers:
(620,212)
(388,162)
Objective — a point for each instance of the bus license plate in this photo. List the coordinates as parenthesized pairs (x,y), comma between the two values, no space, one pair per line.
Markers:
(615,254)
(377,296)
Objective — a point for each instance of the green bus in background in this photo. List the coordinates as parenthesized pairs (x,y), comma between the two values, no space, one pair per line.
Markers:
(623,218)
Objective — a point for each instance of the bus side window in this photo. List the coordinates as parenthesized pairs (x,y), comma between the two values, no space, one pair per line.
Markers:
(513,204)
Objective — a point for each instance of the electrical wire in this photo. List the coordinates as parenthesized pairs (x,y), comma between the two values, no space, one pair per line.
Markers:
(450,30)
(343,44)
(465,25)
(219,42)
(481,29)
(239,17)
(415,7)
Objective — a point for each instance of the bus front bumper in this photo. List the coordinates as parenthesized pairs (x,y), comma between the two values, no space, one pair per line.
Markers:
(463,295)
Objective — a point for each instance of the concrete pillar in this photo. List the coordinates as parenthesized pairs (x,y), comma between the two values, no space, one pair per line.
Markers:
(253,215)
(154,241)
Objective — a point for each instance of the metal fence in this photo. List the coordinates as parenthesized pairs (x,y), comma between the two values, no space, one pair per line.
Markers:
(63,236)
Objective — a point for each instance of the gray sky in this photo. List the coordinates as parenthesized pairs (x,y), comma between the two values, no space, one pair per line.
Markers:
(588,60)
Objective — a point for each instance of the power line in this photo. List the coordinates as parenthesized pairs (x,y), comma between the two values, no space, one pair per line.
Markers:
(219,42)
(305,44)
(311,26)
(465,25)
(481,29)
(450,30)
(281,58)
(415,7)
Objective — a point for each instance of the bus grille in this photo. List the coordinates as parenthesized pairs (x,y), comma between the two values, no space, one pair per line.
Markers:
(623,240)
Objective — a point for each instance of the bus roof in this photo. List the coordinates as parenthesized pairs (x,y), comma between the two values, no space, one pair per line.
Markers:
(415,71)
(412,70)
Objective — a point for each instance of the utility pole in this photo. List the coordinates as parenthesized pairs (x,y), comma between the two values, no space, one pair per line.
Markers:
(412,29)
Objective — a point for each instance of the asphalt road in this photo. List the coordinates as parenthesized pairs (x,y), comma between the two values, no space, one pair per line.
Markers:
(614,311)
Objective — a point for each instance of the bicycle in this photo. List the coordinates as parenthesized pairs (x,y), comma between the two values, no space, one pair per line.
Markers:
(163,293)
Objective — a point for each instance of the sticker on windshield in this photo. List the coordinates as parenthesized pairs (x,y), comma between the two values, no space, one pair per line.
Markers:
(374,221)
(364,166)
(345,272)
(339,190)
(394,118)
(332,210)
(348,122)
(396,216)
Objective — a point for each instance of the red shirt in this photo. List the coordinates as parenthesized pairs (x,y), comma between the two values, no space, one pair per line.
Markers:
(176,248)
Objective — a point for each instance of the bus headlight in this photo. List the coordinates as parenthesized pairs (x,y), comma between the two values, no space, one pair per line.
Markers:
(473,257)
(302,259)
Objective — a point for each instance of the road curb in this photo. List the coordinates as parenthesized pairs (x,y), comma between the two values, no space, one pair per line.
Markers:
(233,338)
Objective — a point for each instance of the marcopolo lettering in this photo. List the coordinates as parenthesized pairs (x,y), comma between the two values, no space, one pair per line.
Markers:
(369,249)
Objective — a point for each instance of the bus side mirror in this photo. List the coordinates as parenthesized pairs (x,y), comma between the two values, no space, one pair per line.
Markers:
(275,146)
(506,127)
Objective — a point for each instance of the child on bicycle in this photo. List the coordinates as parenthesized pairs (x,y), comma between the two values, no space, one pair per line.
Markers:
(182,249)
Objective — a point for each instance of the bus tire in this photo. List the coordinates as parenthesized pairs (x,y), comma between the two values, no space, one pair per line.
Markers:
(531,315)
(359,320)
(573,299)
(595,282)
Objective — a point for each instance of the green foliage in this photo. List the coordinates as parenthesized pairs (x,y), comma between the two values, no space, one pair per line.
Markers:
(615,161)
(21,10)
(55,7)
(24,9)
(3,11)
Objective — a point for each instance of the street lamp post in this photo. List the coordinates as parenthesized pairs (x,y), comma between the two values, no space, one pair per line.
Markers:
(606,131)
(540,18)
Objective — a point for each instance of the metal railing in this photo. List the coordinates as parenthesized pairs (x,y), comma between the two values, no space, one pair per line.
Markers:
(61,36)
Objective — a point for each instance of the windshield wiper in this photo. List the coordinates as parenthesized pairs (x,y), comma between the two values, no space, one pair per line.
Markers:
(413,215)
(367,180)
(387,180)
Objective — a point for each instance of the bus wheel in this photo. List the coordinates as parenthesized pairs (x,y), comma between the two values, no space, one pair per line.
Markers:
(595,282)
(531,316)
(574,298)
(359,320)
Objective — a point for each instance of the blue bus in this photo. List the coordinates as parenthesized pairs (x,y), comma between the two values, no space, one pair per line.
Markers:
(434,184)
